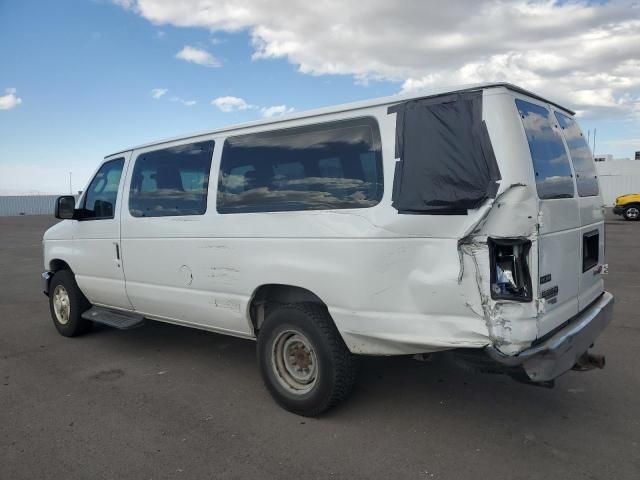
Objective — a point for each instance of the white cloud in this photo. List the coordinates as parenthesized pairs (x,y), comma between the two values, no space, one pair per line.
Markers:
(158,92)
(10,99)
(275,111)
(126,4)
(161,92)
(231,104)
(555,48)
(186,103)
(198,56)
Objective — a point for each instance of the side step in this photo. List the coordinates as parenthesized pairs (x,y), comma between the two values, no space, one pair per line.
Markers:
(113,318)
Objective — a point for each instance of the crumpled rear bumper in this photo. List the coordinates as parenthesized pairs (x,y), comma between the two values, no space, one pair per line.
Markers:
(559,353)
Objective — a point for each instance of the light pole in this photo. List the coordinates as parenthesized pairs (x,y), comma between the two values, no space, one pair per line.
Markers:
(70,188)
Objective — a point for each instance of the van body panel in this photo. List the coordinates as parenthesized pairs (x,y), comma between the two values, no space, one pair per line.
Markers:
(553,250)
(169,270)
(591,210)
(591,214)
(393,283)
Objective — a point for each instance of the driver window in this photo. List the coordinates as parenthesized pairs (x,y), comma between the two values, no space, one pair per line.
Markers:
(100,200)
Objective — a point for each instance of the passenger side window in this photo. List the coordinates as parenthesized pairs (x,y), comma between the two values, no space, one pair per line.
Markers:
(172,181)
(100,200)
(585,168)
(321,167)
(550,162)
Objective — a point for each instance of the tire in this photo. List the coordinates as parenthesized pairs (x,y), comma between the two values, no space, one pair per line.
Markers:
(321,371)
(632,213)
(67,304)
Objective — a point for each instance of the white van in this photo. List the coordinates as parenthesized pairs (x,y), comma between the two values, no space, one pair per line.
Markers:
(468,219)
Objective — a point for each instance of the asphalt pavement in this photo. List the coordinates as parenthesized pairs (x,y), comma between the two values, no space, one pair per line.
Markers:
(168,402)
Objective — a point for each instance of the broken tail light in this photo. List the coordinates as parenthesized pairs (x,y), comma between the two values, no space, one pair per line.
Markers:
(510,277)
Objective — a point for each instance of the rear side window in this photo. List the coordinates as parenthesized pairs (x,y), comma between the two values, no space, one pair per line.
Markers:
(550,160)
(172,181)
(102,192)
(321,167)
(585,168)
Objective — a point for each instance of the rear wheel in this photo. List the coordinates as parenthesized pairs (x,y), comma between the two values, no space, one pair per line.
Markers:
(303,361)
(67,304)
(632,212)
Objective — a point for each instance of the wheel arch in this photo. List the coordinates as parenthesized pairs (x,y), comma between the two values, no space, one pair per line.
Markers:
(56,264)
(273,294)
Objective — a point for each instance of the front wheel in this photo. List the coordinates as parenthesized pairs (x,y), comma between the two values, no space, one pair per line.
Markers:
(632,213)
(67,304)
(303,360)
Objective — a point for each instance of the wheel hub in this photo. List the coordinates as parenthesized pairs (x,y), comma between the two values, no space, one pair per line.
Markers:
(294,362)
(61,305)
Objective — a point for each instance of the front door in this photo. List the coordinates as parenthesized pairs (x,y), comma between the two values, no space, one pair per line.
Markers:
(96,240)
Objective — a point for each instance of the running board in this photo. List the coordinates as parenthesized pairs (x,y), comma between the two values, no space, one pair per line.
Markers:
(113,318)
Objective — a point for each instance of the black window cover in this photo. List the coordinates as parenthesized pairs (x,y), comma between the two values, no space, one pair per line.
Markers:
(447,164)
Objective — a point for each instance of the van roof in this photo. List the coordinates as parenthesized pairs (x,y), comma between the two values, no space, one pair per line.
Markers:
(375,102)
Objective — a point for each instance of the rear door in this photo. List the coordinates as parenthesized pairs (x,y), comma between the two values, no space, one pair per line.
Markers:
(559,229)
(590,284)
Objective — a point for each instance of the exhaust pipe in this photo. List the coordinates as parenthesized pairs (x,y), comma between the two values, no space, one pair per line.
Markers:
(589,361)
(597,361)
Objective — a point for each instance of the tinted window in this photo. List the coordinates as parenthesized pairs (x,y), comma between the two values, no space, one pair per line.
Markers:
(100,199)
(330,166)
(586,178)
(550,160)
(172,181)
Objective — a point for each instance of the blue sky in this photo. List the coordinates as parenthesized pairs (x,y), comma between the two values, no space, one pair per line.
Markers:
(78,75)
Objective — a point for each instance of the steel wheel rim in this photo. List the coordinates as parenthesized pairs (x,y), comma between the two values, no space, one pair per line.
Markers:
(294,362)
(61,305)
(633,212)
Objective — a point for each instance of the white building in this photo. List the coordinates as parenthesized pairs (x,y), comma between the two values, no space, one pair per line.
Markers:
(617,177)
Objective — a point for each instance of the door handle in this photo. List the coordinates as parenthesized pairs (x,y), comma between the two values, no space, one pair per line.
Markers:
(117,250)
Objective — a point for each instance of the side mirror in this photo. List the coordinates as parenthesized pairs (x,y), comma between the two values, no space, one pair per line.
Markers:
(65,207)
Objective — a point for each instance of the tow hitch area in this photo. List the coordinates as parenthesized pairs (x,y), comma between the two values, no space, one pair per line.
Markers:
(567,349)
(479,362)
(589,361)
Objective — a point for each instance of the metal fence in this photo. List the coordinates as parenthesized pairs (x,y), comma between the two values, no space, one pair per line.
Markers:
(11,206)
